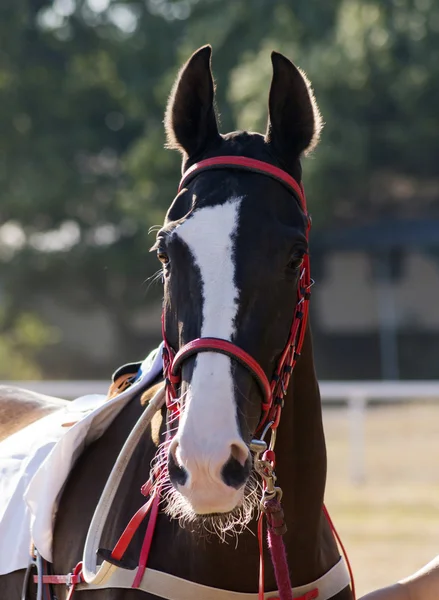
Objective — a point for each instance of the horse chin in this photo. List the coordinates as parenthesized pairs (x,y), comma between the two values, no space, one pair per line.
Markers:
(220,524)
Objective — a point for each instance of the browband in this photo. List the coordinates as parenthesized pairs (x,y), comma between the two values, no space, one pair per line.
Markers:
(245,164)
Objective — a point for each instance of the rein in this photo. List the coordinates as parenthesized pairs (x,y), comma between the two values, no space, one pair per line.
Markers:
(113,568)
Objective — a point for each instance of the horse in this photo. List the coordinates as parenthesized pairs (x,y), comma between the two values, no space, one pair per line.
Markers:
(233,250)
(20,407)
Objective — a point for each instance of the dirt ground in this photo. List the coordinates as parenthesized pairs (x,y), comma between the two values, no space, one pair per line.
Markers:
(390,522)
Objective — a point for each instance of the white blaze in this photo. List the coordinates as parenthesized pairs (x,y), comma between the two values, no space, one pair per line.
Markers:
(209,426)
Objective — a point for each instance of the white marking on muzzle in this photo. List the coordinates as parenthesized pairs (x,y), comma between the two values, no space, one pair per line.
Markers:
(209,427)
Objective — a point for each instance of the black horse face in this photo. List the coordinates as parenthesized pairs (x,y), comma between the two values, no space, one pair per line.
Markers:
(232,246)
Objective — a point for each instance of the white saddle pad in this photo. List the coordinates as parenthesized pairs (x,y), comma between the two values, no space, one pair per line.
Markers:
(36,461)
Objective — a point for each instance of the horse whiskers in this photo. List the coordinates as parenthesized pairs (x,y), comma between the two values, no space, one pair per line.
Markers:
(159,467)
(170,431)
(157,276)
(172,419)
(221,525)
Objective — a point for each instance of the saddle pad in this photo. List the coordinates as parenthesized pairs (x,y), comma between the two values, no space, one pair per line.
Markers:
(36,461)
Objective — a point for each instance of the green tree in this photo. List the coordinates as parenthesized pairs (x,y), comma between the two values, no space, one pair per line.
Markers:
(83,172)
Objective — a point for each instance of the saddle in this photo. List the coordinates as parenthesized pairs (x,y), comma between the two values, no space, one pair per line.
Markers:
(36,461)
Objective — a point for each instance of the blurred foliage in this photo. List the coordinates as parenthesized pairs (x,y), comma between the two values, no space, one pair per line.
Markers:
(83,86)
(20,345)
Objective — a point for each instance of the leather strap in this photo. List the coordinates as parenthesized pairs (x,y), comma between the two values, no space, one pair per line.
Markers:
(209,344)
(90,570)
(245,164)
(169,587)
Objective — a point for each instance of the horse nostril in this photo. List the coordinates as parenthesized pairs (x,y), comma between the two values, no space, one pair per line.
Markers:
(177,474)
(240,453)
(237,469)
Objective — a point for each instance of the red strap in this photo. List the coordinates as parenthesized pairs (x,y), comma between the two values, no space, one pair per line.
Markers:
(60,579)
(147,541)
(250,164)
(76,574)
(71,580)
(311,595)
(224,347)
(126,537)
(314,593)
(261,557)
(343,549)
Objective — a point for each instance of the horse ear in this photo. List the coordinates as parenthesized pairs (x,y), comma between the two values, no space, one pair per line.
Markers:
(190,120)
(294,121)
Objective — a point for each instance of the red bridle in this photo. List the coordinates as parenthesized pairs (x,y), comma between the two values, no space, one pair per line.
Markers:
(272,393)
(272,402)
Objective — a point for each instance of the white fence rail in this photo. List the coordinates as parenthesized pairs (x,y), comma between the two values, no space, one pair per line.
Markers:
(356,394)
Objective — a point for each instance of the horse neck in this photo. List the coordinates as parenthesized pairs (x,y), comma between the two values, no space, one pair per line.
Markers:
(301,472)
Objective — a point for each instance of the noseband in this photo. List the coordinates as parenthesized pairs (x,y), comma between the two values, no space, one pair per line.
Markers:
(273,393)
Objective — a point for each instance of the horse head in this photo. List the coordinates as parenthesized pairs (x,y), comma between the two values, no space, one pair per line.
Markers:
(232,247)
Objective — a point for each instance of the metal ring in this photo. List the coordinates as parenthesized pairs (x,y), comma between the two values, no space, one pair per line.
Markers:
(265,431)
(272,439)
(272,443)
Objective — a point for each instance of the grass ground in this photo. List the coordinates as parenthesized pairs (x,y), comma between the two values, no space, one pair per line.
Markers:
(389,523)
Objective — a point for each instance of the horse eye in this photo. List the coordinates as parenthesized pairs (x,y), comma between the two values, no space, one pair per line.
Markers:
(296,261)
(163,257)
